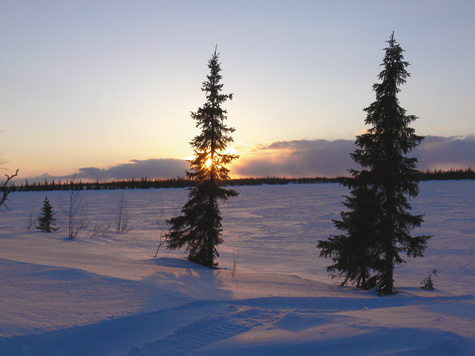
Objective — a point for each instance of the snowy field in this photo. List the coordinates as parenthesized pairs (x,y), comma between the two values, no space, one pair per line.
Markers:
(271,295)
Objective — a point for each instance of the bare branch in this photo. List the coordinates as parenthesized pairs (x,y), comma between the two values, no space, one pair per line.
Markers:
(5,189)
(162,225)
(123,216)
(75,213)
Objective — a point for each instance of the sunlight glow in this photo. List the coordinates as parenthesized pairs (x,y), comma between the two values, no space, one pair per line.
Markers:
(209,162)
(230,151)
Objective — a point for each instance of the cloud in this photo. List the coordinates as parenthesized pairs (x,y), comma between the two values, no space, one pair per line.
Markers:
(150,168)
(310,158)
(437,152)
(299,158)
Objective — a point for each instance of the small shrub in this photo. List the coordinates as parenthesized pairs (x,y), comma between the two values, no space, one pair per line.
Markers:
(233,268)
(123,216)
(161,222)
(428,283)
(100,230)
(31,219)
(75,213)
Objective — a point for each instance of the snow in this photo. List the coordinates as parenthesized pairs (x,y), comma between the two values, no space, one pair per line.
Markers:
(108,295)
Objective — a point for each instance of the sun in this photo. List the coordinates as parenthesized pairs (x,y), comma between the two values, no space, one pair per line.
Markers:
(229,151)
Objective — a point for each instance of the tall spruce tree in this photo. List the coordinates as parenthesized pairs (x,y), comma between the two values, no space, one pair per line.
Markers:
(46,219)
(199,226)
(378,224)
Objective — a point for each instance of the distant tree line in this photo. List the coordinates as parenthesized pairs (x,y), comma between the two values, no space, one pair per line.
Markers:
(452,174)
(179,182)
(143,183)
(146,183)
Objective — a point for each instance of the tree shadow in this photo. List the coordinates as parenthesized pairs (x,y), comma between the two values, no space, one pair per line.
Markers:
(186,279)
(177,263)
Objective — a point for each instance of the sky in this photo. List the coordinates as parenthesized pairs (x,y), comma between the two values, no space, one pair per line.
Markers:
(105,89)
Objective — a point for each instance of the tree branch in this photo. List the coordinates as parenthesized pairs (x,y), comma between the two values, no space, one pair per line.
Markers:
(4,188)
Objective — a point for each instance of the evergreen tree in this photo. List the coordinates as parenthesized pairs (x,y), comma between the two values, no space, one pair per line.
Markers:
(199,226)
(377,227)
(46,219)
(354,253)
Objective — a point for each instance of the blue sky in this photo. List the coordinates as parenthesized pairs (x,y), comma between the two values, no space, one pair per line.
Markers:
(103,84)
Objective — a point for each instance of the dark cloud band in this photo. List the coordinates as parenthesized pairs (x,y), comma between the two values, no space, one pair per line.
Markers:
(297,158)
(311,158)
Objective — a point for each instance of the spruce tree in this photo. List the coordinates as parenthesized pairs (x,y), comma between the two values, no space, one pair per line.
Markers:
(199,226)
(354,253)
(46,219)
(377,227)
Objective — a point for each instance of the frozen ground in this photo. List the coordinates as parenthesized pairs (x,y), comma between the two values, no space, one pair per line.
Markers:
(108,295)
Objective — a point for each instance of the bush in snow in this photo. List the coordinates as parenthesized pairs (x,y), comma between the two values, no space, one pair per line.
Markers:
(123,216)
(74,212)
(428,284)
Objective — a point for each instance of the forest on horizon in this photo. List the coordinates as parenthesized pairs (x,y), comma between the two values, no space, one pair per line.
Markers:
(183,182)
